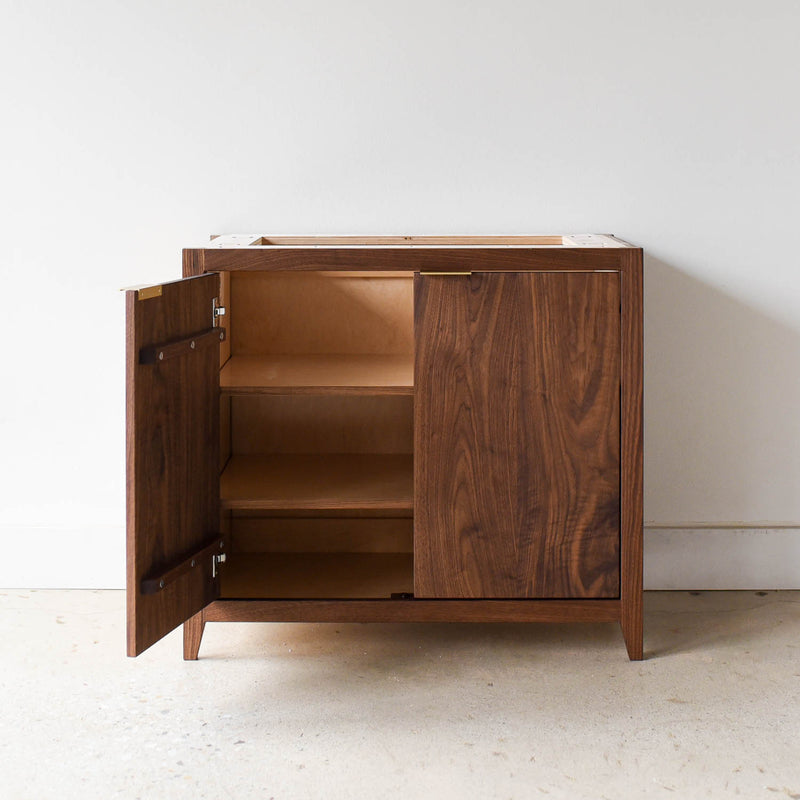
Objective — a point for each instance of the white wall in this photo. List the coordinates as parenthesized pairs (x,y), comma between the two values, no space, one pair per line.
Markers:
(130,130)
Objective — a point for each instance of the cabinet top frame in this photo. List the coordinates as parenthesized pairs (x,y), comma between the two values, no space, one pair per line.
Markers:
(585,251)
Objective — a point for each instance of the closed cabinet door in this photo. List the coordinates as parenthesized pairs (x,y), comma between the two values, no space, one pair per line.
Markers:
(517,435)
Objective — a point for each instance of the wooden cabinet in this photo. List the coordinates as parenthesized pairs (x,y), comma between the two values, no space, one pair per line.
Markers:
(387,429)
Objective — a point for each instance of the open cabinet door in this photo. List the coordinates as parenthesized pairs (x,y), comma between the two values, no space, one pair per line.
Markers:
(173,541)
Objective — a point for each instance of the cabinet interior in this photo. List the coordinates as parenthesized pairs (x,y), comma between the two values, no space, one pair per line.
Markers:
(316,484)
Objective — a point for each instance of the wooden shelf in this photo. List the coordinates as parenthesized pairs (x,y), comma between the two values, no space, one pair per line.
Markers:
(338,481)
(318,374)
(333,576)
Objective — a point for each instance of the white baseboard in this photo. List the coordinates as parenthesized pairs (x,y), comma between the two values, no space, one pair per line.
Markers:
(91,557)
(706,557)
(674,558)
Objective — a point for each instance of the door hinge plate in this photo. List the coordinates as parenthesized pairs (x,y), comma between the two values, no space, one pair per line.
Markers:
(217,311)
(216,560)
(148,292)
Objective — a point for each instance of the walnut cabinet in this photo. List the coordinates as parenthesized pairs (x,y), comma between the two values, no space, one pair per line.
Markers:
(338,429)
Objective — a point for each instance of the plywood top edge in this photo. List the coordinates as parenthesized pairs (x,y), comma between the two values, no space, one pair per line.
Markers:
(143,287)
(262,242)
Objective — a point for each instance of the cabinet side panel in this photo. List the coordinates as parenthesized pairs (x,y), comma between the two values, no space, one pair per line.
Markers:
(173,443)
(193,263)
(517,435)
(632,396)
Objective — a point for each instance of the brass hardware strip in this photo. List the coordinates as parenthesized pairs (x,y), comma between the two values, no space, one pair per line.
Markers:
(149,291)
(445,273)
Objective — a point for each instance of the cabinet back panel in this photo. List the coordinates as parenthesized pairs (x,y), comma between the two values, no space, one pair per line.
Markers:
(321,312)
(321,424)
(317,575)
(326,535)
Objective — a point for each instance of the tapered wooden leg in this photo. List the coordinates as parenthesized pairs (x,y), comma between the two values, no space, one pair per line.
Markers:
(631,624)
(192,636)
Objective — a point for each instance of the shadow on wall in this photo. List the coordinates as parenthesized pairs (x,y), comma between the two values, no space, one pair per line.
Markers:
(722,406)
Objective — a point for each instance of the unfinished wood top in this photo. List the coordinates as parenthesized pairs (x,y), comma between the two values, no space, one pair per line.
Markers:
(332,481)
(253,240)
(319,374)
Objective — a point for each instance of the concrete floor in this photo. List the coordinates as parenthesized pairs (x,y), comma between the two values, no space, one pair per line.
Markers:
(409,711)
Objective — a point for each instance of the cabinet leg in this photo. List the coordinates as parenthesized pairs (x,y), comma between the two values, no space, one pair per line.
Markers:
(192,635)
(631,624)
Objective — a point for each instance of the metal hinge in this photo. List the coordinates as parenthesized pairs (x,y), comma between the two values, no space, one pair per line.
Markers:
(217,311)
(216,560)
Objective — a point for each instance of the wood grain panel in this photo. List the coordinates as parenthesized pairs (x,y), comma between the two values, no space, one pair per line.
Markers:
(412,259)
(193,262)
(173,443)
(632,397)
(517,435)
(192,636)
